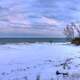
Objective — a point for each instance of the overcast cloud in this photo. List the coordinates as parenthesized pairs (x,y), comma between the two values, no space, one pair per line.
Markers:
(34,18)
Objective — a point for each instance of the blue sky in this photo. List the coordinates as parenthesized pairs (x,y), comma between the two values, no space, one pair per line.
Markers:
(37,18)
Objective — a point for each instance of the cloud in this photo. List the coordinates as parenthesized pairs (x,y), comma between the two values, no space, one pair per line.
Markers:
(37,17)
(50,21)
(19,19)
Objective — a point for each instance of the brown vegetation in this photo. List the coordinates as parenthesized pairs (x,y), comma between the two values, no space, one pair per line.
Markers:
(76,41)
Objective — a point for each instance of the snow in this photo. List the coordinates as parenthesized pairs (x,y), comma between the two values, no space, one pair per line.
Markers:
(31,61)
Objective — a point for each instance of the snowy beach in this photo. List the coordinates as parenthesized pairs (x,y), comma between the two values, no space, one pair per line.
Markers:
(38,60)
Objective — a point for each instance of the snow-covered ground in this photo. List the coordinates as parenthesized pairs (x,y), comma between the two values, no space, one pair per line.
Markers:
(39,61)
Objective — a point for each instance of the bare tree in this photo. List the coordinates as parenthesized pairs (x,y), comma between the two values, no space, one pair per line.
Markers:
(77,28)
(69,31)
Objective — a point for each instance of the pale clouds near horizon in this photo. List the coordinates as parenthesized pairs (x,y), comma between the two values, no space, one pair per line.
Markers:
(37,17)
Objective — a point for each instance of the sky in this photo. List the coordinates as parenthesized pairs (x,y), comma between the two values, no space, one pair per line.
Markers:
(37,18)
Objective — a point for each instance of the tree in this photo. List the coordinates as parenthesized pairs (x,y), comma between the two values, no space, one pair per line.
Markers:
(77,28)
(69,31)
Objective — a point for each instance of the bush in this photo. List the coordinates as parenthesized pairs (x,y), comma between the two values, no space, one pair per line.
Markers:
(76,41)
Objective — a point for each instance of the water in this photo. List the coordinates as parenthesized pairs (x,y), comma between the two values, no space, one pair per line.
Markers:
(31,40)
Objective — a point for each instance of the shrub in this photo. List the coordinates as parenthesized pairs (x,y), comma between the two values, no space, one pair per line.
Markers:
(76,41)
